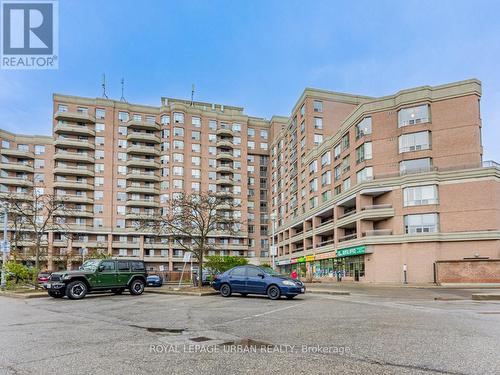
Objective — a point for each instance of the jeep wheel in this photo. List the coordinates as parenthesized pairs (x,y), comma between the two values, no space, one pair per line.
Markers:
(56,295)
(76,290)
(117,291)
(136,287)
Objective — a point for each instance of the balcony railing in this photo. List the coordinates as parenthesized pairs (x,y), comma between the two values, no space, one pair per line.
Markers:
(377,232)
(348,237)
(377,206)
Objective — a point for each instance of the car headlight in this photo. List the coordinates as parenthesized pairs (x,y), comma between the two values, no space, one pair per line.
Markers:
(288,282)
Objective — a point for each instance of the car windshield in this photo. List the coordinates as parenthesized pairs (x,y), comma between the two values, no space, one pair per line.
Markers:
(270,271)
(90,265)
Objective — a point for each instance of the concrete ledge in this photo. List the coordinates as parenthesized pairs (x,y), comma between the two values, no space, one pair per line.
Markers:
(23,295)
(486,297)
(182,292)
(326,291)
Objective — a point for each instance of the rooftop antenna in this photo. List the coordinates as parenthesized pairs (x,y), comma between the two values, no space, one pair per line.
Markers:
(103,85)
(192,94)
(122,99)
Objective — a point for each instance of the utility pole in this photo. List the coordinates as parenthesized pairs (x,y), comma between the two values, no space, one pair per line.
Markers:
(5,247)
(273,249)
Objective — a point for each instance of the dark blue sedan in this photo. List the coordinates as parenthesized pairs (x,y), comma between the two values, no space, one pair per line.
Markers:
(154,280)
(257,280)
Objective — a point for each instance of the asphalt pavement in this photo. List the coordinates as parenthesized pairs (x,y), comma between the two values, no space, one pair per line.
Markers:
(374,331)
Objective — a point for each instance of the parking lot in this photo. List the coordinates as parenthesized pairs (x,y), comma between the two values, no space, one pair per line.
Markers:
(371,331)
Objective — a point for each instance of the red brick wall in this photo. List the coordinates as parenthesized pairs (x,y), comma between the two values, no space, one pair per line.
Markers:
(468,271)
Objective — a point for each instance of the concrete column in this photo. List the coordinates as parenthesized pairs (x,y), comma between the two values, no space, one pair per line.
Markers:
(50,251)
(110,244)
(141,244)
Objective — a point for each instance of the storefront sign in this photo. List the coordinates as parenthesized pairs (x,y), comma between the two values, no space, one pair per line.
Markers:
(301,259)
(328,255)
(283,262)
(309,258)
(293,261)
(351,251)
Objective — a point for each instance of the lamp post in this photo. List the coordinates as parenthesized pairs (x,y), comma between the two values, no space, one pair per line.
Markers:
(273,249)
(5,247)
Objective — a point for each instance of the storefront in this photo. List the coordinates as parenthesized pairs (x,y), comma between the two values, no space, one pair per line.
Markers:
(350,263)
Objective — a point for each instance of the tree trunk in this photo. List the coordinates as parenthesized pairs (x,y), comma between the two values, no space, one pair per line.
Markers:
(37,263)
(200,269)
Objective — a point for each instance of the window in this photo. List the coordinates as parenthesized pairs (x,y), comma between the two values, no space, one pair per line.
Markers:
(326,158)
(415,166)
(39,163)
(318,106)
(178,132)
(313,185)
(236,128)
(179,145)
(346,165)
(364,127)
(414,115)
(326,178)
(39,149)
(415,141)
(100,113)
(122,156)
(346,184)
(336,172)
(178,184)
(196,135)
(98,195)
(62,108)
(123,116)
(423,223)
(165,119)
(303,110)
(196,122)
(420,195)
(99,141)
(337,151)
(137,117)
(251,145)
(122,169)
(98,208)
(99,168)
(178,171)
(122,130)
(366,174)
(263,134)
(195,160)
(212,138)
(196,147)
(108,265)
(178,118)
(120,210)
(364,152)
(178,158)
(122,143)
(98,222)
(318,123)
(264,146)
(23,148)
(196,173)
(240,271)
(313,167)
(137,266)
(318,139)
(212,124)
(99,181)
(345,142)
(122,265)
(5,144)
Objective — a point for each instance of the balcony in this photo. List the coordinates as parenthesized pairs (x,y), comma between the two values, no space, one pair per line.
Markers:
(75,198)
(224,143)
(141,216)
(225,168)
(133,124)
(225,131)
(377,232)
(74,117)
(377,212)
(16,181)
(224,156)
(146,163)
(74,156)
(74,213)
(74,185)
(142,189)
(348,237)
(74,143)
(224,181)
(143,150)
(142,203)
(74,129)
(18,167)
(143,137)
(74,171)
(17,153)
(143,177)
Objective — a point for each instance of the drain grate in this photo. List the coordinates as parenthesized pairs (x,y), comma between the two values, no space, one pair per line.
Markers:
(200,339)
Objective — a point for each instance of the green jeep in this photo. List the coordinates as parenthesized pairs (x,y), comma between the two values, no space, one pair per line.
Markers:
(115,275)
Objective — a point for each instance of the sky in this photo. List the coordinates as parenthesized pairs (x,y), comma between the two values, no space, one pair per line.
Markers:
(261,54)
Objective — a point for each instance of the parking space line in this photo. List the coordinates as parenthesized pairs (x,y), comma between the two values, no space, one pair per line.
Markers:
(261,314)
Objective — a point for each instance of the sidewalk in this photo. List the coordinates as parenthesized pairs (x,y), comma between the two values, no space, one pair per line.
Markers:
(356,285)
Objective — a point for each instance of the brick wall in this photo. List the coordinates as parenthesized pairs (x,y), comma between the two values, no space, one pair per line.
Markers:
(468,271)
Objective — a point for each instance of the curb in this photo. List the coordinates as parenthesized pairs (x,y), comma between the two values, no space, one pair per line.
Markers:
(331,292)
(23,295)
(181,293)
(486,297)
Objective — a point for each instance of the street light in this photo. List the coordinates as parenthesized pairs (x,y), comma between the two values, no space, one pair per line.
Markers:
(5,246)
(273,248)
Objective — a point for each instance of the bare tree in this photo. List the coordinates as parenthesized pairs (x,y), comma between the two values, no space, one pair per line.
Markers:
(190,219)
(33,218)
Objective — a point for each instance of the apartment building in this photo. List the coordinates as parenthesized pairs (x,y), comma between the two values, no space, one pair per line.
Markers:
(358,188)
(379,189)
